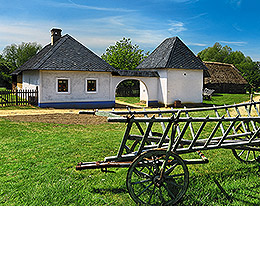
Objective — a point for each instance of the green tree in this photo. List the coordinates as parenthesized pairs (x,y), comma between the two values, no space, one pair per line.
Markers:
(249,69)
(216,53)
(17,55)
(5,71)
(13,57)
(124,55)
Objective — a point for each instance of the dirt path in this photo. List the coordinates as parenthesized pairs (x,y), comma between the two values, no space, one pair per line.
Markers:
(72,116)
(37,111)
(243,111)
(53,116)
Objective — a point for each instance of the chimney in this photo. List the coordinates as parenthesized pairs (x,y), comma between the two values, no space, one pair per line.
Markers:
(55,35)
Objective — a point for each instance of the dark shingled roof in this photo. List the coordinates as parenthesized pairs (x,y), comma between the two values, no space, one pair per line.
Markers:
(221,73)
(172,53)
(136,73)
(66,54)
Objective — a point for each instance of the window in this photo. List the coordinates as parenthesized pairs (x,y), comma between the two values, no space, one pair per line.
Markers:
(63,86)
(91,85)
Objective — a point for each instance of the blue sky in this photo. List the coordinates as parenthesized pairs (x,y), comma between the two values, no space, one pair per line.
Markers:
(100,23)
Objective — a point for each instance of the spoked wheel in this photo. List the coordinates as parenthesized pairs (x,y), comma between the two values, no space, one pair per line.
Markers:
(247,156)
(157,177)
(252,153)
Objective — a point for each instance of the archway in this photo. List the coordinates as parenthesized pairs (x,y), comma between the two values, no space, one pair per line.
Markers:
(132,91)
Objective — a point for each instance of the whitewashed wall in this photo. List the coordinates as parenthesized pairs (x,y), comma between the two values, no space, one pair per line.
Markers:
(162,87)
(143,92)
(185,85)
(30,80)
(78,94)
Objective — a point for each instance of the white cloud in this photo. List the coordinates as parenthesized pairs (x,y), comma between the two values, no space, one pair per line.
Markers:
(237,27)
(176,27)
(237,43)
(236,3)
(12,32)
(197,44)
(96,34)
(71,4)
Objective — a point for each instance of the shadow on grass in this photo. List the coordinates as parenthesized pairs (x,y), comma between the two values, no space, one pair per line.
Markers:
(105,190)
(240,193)
(233,188)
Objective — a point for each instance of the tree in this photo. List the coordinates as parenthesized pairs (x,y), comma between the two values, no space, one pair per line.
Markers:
(215,53)
(19,54)
(5,71)
(13,57)
(124,55)
(249,69)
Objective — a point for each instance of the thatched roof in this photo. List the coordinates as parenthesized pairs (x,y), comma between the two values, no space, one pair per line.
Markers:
(223,73)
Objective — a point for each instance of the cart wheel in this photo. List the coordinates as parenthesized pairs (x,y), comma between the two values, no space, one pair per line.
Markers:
(143,178)
(246,155)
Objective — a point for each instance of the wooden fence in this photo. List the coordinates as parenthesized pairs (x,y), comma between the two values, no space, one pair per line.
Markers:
(19,97)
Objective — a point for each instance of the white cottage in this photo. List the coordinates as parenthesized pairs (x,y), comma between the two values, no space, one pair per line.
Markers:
(180,71)
(69,75)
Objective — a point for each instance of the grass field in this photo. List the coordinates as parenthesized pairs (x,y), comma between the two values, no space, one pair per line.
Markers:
(228,99)
(217,99)
(131,100)
(37,167)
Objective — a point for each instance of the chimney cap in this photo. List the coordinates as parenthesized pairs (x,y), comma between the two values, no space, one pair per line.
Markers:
(55,35)
(56,30)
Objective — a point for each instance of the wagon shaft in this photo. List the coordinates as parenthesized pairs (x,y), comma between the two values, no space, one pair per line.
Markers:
(101,165)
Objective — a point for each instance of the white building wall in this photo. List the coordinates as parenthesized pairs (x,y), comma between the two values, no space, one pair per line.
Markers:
(143,92)
(77,94)
(162,86)
(30,80)
(184,85)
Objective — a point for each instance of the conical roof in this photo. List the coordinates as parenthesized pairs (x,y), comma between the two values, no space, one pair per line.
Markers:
(172,53)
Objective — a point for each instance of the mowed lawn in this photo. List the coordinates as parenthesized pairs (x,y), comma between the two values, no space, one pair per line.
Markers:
(217,99)
(38,160)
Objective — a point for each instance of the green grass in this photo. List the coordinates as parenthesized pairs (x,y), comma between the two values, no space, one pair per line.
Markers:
(228,99)
(19,107)
(37,167)
(131,100)
(217,99)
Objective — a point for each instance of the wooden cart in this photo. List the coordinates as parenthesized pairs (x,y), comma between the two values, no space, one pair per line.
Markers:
(154,144)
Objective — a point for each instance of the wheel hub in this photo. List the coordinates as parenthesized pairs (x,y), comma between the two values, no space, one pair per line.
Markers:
(157,181)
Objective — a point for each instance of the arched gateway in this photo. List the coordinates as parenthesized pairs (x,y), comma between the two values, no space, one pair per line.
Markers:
(149,81)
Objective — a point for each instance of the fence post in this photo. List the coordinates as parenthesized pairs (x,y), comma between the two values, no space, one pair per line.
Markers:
(36,96)
(16,97)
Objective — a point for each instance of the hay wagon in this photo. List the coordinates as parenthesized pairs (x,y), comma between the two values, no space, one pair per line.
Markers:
(155,143)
